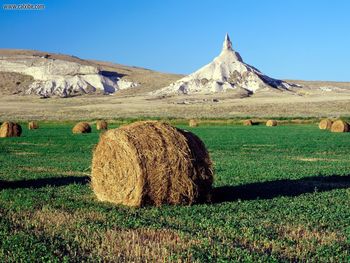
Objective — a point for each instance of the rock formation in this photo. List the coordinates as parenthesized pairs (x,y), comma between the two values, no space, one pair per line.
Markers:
(59,77)
(226,72)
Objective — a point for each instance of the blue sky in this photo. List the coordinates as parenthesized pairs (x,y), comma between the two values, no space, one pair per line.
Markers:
(295,39)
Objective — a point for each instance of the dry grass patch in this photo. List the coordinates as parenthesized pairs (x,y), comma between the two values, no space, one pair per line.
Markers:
(303,241)
(305,159)
(295,243)
(52,219)
(143,245)
(52,170)
(259,145)
(308,238)
(300,121)
(111,245)
(24,153)
(35,144)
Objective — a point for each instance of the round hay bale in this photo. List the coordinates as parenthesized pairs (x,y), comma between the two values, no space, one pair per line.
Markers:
(10,129)
(32,125)
(151,163)
(193,123)
(271,123)
(248,123)
(340,126)
(325,124)
(82,127)
(101,125)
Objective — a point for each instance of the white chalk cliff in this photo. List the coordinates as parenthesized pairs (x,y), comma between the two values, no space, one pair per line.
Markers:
(225,72)
(56,77)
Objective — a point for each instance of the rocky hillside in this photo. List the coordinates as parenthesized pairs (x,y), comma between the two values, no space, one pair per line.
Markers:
(227,72)
(46,74)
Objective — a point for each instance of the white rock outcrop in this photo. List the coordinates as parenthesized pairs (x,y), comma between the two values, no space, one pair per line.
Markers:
(225,72)
(56,77)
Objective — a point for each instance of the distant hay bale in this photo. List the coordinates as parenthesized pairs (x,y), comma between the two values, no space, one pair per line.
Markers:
(82,127)
(271,123)
(248,123)
(193,123)
(10,129)
(32,125)
(325,124)
(101,125)
(151,163)
(340,126)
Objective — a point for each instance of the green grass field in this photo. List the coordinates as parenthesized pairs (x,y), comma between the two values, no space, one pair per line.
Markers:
(281,194)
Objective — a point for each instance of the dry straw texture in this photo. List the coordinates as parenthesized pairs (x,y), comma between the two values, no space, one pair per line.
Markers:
(101,125)
(32,125)
(193,123)
(151,163)
(325,124)
(340,126)
(10,129)
(82,127)
(271,123)
(248,123)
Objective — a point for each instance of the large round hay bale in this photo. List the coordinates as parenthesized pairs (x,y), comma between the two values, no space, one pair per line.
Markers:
(340,126)
(10,129)
(82,127)
(248,123)
(101,125)
(325,124)
(151,163)
(192,123)
(271,123)
(32,125)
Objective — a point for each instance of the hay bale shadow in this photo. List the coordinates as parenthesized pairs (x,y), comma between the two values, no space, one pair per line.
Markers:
(272,189)
(43,182)
(252,191)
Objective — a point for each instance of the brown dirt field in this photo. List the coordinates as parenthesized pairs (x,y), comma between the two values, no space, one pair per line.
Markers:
(111,107)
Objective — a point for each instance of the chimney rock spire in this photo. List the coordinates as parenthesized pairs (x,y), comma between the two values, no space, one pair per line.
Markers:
(227,43)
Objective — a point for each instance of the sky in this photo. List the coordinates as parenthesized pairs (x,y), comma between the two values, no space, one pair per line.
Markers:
(287,39)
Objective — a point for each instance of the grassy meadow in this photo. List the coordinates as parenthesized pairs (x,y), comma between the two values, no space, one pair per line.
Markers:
(281,194)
